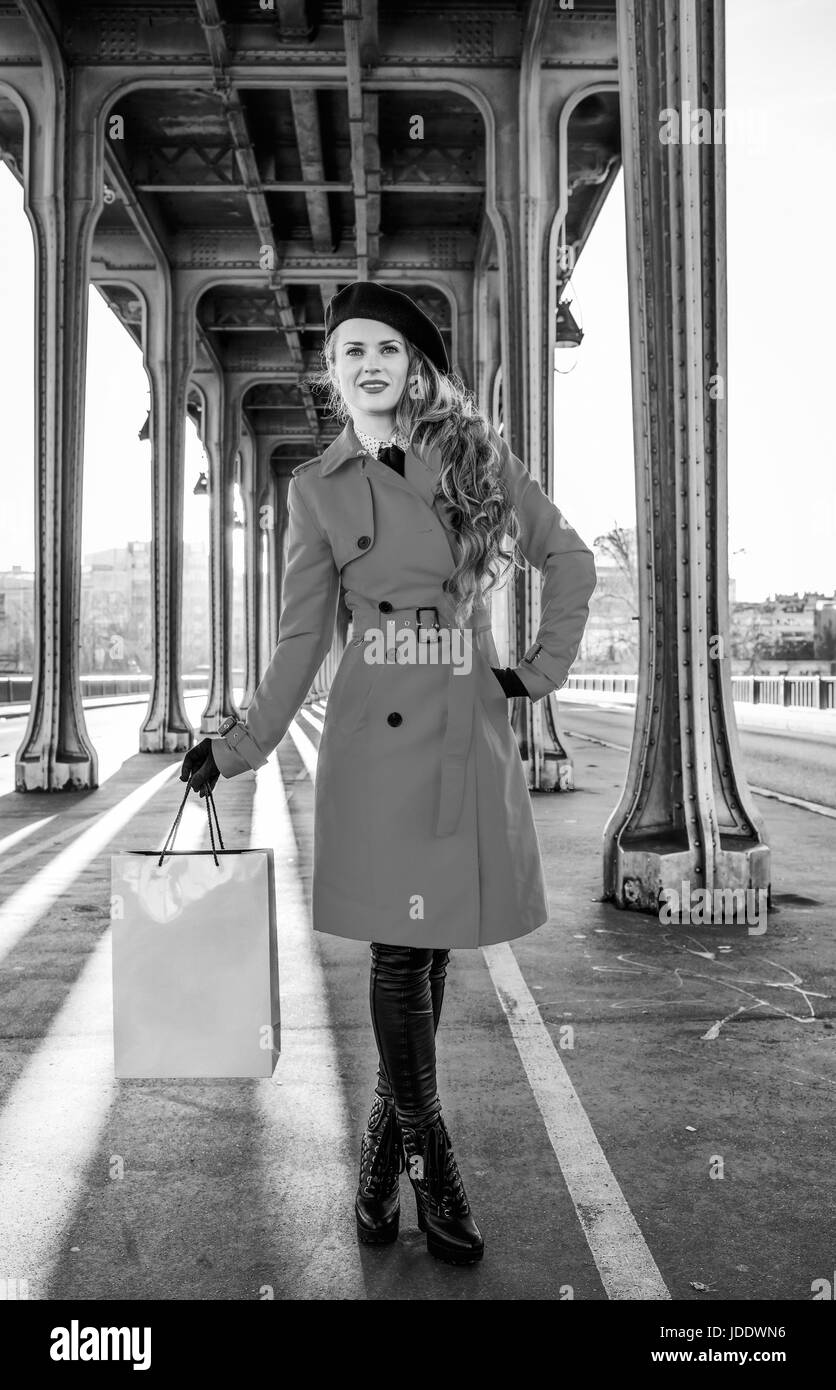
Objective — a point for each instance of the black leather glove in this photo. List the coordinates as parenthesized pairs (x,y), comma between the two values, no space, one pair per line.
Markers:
(199,767)
(510,681)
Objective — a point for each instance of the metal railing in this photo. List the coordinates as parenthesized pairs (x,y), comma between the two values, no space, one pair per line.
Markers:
(15,690)
(795,692)
(615,685)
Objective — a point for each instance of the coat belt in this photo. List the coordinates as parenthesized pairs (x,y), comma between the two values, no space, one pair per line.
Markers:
(461,695)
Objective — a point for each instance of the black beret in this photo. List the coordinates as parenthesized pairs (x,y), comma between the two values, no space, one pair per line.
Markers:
(364,300)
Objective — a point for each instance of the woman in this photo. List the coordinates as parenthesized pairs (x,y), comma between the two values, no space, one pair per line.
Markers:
(424,838)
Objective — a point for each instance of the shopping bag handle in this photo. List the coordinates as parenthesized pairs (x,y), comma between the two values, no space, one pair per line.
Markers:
(168,847)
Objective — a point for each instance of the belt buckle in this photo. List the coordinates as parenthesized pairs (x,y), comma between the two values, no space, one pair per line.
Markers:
(422,627)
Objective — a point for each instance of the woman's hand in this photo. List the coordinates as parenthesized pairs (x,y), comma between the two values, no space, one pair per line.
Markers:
(511,684)
(199,768)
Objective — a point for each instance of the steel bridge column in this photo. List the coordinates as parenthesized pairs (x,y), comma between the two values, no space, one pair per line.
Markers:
(252,570)
(273,523)
(686,812)
(63,196)
(169,357)
(223,423)
(266,525)
(527,196)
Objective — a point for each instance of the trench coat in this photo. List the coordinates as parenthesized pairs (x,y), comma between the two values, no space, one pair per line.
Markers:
(423,827)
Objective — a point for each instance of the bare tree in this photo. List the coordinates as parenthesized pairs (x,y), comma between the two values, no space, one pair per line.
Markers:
(619,543)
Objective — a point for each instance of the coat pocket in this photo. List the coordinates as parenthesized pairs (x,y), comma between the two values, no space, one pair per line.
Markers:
(495,702)
(350,693)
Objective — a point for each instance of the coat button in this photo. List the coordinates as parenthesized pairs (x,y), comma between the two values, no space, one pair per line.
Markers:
(364,542)
(385,606)
(394,719)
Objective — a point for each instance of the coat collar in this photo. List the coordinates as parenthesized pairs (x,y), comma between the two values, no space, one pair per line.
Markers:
(345,446)
(421,470)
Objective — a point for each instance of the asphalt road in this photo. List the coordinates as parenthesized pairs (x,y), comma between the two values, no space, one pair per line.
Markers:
(794,764)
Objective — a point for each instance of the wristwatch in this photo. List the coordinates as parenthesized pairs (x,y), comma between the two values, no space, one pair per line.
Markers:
(229,723)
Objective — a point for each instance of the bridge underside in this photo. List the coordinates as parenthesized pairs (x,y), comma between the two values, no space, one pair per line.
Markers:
(219,170)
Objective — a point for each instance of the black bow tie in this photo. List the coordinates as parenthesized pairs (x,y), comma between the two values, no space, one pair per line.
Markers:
(391,454)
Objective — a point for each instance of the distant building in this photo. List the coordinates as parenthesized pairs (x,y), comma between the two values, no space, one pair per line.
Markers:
(824,629)
(115,611)
(17,619)
(610,639)
(783,628)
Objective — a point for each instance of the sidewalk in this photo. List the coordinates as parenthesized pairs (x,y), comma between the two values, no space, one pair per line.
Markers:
(692,1051)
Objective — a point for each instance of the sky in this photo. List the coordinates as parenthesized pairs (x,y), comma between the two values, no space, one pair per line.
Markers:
(782,308)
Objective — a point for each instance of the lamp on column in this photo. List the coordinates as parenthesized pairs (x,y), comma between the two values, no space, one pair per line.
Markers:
(201,487)
(568,332)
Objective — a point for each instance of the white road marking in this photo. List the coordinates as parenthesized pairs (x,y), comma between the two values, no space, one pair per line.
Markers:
(625,1264)
(796,801)
(602,742)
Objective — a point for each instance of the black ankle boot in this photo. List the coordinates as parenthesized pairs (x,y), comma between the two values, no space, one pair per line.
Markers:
(443,1209)
(377,1204)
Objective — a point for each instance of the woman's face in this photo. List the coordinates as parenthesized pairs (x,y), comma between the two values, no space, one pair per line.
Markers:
(371,361)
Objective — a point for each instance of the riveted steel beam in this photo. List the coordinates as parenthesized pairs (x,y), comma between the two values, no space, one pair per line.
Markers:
(362,125)
(63,194)
(253,576)
(686,812)
(221,434)
(523,205)
(168,352)
(249,172)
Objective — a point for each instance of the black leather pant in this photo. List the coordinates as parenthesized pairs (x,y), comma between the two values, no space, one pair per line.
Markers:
(406,989)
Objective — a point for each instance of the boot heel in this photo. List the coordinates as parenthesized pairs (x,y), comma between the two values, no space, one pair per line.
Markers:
(384,1235)
(442,1251)
(444,1213)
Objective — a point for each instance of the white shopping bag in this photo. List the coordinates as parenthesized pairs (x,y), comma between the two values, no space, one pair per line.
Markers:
(195,961)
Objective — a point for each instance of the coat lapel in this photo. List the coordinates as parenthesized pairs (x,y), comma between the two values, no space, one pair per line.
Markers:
(421,468)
